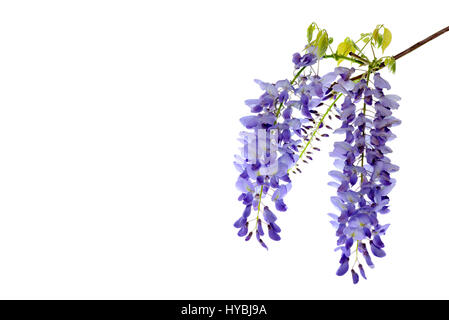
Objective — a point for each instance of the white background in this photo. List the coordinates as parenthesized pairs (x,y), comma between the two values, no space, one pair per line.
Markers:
(118,126)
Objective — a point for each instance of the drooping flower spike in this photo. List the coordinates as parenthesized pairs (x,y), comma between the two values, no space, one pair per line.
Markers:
(278,135)
(290,117)
(363,175)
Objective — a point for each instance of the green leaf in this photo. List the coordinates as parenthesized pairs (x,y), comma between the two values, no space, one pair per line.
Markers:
(391,63)
(375,34)
(322,43)
(310,30)
(341,49)
(344,48)
(392,66)
(380,39)
(386,39)
(353,45)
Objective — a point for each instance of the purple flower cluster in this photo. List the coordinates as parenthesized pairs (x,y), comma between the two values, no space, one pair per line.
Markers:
(363,178)
(271,145)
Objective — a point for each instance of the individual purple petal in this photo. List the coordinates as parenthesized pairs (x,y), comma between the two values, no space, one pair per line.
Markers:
(380,83)
(274,182)
(287,113)
(273,235)
(329,77)
(343,268)
(305,112)
(341,240)
(283,96)
(344,72)
(244,185)
(333,184)
(367,232)
(378,252)
(382,229)
(285,135)
(247,211)
(268,87)
(338,203)
(386,122)
(381,110)
(307,60)
(285,178)
(280,205)
(243,231)
(275,227)
(247,198)
(337,175)
(362,272)
(368,260)
(256,109)
(340,89)
(355,277)
(248,236)
(334,224)
(250,121)
(349,243)
(333,216)
(263,244)
(251,102)
(390,101)
(378,241)
(259,227)
(268,215)
(240,222)
(296,58)
(283,84)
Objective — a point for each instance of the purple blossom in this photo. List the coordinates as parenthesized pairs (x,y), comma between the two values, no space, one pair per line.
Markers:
(303,61)
(270,145)
(363,178)
(355,277)
(277,128)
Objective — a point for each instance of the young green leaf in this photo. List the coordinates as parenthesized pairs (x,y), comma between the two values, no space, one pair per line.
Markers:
(322,44)
(375,34)
(386,39)
(344,48)
(310,30)
(380,40)
(392,65)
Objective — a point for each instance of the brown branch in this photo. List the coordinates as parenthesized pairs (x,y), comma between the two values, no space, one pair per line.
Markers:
(421,43)
(408,50)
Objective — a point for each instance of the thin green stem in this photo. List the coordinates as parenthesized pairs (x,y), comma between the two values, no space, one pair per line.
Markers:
(258,207)
(363,133)
(371,38)
(297,75)
(339,56)
(356,255)
(372,50)
(318,126)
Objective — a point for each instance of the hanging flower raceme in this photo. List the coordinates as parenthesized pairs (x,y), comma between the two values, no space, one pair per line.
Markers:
(271,146)
(363,178)
(289,118)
